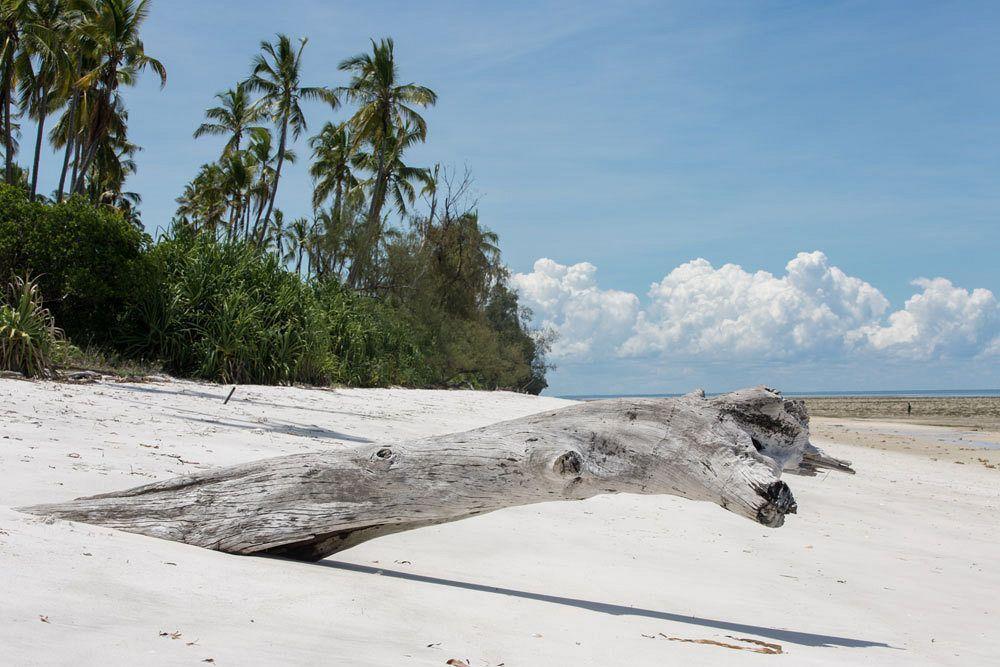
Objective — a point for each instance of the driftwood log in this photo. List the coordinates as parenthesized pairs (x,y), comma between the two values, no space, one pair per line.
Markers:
(729,449)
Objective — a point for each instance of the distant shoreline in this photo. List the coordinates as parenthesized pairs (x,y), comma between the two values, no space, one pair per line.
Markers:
(887,393)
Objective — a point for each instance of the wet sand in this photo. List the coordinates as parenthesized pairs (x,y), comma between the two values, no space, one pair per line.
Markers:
(971,412)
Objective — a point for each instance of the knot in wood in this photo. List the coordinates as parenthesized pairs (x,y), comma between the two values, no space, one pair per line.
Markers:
(568,463)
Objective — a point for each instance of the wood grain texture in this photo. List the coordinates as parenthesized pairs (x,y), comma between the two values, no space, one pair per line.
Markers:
(729,449)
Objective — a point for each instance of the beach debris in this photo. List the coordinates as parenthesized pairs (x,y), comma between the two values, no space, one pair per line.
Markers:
(176,634)
(43,618)
(209,660)
(229,396)
(730,449)
(83,377)
(73,455)
(757,646)
(455,662)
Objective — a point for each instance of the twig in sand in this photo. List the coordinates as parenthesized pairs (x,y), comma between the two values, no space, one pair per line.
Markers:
(230,395)
(764,647)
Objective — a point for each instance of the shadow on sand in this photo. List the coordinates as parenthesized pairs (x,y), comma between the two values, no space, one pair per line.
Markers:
(790,636)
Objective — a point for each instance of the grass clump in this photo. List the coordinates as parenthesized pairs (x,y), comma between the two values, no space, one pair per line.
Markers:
(29,337)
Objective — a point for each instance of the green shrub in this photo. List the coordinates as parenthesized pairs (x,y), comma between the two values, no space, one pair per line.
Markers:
(86,259)
(373,345)
(228,313)
(28,334)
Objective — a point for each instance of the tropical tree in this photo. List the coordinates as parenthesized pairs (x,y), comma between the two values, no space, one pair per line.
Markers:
(47,70)
(276,75)
(119,56)
(16,24)
(235,116)
(331,166)
(399,181)
(385,107)
(204,201)
(297,235)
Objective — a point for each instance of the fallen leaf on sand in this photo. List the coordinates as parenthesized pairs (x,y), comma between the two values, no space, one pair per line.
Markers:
(455,662)
(209,660)
(73,455)
(43,619)
(176,634)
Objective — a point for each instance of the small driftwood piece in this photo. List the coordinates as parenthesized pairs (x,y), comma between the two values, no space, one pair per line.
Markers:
(729,449)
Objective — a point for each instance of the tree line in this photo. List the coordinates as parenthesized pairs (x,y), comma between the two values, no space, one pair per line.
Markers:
(393,273)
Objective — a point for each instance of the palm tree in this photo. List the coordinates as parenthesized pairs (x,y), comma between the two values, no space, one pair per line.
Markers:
(120,57)
(384,106)
(331,167)
(398,182)
(261,148)
(276,75)
(16,22)
(297,234)
(238,170)
(204,199)
(48,71)
(235,116)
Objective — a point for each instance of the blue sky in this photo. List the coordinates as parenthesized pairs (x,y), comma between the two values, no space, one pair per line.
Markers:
(638,136)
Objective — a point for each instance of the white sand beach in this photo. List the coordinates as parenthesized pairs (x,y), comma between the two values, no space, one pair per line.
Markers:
(897,565)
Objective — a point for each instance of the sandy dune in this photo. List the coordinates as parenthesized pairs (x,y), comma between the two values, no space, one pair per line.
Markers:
(896,565)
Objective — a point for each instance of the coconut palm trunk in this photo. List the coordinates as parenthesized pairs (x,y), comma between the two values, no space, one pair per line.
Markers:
(70,145)
(8,138)
(277,176)
(39,138)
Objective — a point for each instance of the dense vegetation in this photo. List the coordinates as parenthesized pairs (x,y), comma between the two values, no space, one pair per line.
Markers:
(392,280)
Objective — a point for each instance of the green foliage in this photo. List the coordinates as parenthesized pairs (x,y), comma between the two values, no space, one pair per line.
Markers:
(226,312)
(446,274)
(85,259)
(373,343)
(28,335)
(230,313)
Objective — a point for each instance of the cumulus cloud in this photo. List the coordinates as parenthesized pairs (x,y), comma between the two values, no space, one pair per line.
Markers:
(590,321)
(707,312)
(813,311)
(941,321)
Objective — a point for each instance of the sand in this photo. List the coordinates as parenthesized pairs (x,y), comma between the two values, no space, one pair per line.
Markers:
(896,565)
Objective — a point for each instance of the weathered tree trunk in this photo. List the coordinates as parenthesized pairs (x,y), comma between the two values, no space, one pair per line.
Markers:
(729,449)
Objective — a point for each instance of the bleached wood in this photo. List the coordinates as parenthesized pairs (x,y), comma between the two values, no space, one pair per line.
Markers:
(729,449)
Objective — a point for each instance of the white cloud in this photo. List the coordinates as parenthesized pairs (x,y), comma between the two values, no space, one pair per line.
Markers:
(590,321)
(813,311)
(941,321)
(721,313)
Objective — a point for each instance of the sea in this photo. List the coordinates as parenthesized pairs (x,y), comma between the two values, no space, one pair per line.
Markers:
(898,393)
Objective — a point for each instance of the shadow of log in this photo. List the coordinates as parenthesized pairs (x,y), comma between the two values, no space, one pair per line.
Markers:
(790,636)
